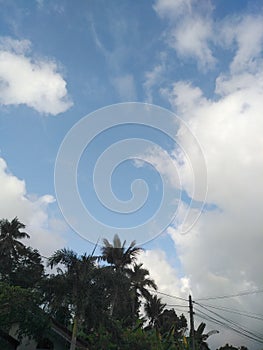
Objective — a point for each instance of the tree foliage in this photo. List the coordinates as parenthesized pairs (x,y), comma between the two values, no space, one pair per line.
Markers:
(109,300)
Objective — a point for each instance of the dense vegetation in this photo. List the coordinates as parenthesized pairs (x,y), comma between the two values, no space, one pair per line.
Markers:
(107,300)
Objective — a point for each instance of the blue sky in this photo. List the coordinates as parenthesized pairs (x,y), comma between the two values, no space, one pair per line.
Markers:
(61,61)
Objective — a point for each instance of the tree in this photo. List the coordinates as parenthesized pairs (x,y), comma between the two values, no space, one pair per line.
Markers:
(154,308)
(119,259)
(10,246)
(78,278)
(20,265)
(117,255)
(231,347)
(168,319)
(22,306)
(9,235)
(56,295)
(28,270)
(201,337)
(140,280)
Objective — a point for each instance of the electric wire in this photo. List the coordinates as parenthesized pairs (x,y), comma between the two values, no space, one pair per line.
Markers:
(177,305)
(257,335)
(168,295)
(234,311)
(203,316)
(232,322)
(256,291)
(227,326)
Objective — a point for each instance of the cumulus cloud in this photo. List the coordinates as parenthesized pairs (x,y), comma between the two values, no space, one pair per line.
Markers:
(165,276)
(45,232)
(222,255)
(36,83)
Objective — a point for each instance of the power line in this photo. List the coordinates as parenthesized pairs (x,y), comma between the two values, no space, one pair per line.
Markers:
(203,316)
(243,333)
(177,305)
(234,311)
(229,324)
(230,321)
(232,295)
(235,324)
(168,295)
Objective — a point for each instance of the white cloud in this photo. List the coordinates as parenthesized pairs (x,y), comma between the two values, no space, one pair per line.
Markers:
(222,254)
(151,79)
(190,29)
(165,276)
(154,77)
(183,97)
(13,45)
(246,34)
(165,164)
(33,212)
(33,82)
(191,39)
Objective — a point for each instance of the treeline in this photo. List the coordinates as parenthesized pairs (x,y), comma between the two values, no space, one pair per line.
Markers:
(109,301)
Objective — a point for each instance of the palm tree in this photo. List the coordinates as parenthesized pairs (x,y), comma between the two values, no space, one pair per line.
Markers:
(119,259)
(140,280)
(9,235)
(154,308)
(10,246)
(116,255)
(79,272)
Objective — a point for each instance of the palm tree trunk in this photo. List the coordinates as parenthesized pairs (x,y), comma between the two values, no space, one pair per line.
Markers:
(134,297)
(114,302)
(74,333)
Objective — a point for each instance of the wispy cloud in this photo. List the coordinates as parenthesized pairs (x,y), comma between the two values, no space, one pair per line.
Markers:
(189,29)
(121,79)
(154,78)
(125,86)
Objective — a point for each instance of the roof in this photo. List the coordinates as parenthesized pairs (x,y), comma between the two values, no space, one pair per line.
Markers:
(66,334)
(9,338)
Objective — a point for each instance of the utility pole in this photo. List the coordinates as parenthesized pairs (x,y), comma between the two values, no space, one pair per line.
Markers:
(192,327)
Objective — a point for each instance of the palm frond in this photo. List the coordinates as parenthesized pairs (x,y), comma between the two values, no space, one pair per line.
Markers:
(117,242)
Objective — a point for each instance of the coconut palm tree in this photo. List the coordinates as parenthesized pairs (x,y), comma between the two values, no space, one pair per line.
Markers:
(117,255)
(140,281)
(10,246)
(9,236)
(154,308)
(119,259)
(79,273)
